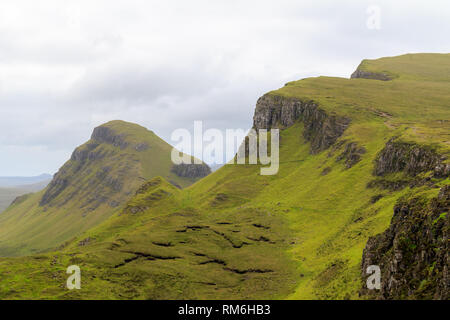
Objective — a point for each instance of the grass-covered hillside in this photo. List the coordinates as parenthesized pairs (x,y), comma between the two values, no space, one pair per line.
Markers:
(350,150)
(100,177)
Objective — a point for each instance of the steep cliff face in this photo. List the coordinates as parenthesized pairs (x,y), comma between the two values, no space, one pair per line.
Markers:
(411,158)
(321,129)
(416,164)
(104,134)
(413,252)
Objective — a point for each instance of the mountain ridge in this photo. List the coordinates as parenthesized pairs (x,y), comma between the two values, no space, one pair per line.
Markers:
(92,185)
(307,232)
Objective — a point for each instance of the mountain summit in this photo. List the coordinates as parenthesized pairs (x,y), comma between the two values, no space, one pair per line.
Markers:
(99,178)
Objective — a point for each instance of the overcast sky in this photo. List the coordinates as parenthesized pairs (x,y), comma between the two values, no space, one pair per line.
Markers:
(68,66)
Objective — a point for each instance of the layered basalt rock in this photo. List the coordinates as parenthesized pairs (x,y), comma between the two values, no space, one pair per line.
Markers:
(413,253)
(191,170)
(321,129)
(105,134)
(410,158)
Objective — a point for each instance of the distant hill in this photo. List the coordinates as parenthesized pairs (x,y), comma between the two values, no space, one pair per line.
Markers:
(7,182)
(8,194)
(96,182)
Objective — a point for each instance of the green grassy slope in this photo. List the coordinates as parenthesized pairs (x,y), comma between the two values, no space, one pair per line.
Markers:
(94,184)
(236,234)
(7,195)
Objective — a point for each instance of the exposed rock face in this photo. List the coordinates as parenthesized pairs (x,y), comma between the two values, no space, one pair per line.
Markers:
(352,154)
(442,170)
(191,170)
(413,252)
(321,129)
(370,75)
(84,160)
(104,134)
(142,147)
(410,158)
(56,186)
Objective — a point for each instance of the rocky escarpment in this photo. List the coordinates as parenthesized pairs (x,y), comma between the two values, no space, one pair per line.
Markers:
(104,134)
(88,170)
(417,164)
(321,128)
(360,74)
(413,253)
(410,158)
(191,170)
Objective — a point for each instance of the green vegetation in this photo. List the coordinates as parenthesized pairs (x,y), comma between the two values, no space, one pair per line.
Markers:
(236,234)
(9,194)
(92,186)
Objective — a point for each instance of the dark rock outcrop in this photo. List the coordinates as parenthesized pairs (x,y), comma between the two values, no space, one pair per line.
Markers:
(410,158)
(352,154)
(105,134)
(413,253)
(321,129)
(441,170)
(54,189)
(191,170)
(370,75)
(84,153)
(142,146)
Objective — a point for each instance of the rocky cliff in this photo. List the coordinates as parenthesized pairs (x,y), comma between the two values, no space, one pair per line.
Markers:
(321,128)
(410,158)
(413,252)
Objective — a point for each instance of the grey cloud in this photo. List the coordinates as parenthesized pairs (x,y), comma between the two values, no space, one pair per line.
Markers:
(66,67)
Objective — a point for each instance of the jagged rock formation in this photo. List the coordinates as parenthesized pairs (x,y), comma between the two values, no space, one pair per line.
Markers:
(410,158)
(413,252)
(321,129)
(191,170)
(104,134)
